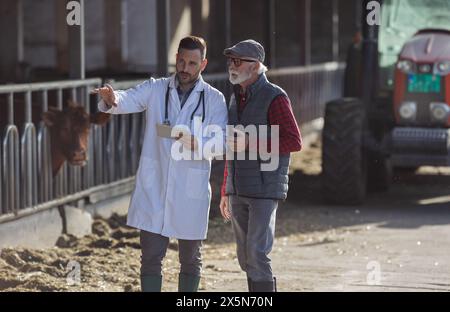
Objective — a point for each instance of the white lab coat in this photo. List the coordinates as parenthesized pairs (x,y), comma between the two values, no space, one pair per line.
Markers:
(171,197)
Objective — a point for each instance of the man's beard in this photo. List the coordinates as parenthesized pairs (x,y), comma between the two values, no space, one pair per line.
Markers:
(236,78)
(188,79)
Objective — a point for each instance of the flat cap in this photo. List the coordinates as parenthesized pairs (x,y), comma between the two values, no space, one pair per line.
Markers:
(247,49)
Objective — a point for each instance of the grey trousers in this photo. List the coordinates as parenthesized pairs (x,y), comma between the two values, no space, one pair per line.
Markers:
(253,223)
(154,248)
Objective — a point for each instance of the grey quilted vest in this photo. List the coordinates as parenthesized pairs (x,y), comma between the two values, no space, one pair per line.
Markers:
(245,177)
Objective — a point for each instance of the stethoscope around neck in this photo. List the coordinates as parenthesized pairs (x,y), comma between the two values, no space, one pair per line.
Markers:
(200,99)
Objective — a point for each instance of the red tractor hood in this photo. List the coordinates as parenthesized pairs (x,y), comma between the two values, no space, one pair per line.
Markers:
(427,47)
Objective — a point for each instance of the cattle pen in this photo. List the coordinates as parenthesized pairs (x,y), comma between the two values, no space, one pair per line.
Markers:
(27,186)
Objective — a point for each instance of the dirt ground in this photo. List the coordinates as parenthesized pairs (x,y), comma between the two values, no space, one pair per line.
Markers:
(397,241)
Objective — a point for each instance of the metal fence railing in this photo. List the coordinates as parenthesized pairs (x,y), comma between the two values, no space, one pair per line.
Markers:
(310,88)
(26,181)
(27,184)
(130,129)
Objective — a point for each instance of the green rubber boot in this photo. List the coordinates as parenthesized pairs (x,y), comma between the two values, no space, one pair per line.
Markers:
(151,283)
(188,283)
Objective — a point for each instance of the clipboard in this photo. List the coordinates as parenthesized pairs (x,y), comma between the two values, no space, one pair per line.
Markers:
(164,131)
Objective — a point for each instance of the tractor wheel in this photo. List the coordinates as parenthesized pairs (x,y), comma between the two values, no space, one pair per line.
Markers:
(343,156)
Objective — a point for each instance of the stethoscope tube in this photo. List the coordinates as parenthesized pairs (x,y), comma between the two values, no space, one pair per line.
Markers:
(200,99)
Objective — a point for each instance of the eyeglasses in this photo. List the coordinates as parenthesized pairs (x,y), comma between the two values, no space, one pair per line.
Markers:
(237,61)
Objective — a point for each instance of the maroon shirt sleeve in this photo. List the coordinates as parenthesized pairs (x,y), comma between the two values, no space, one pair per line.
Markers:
(224,183)
(281,114)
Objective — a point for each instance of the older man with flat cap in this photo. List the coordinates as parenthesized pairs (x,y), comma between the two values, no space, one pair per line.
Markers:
(250,194)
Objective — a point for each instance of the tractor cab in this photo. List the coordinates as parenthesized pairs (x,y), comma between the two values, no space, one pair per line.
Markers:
(414,58)
(422,80)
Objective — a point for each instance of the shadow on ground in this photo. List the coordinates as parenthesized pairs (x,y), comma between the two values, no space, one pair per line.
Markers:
(414,200)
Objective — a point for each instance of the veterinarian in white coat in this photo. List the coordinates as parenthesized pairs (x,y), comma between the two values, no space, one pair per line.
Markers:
(171,198)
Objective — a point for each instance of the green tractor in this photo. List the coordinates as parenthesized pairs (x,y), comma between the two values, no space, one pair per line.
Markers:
(396,106)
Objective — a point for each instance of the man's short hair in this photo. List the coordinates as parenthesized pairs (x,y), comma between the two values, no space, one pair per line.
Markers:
(193,43)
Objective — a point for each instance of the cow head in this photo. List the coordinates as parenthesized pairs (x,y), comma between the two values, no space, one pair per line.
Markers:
(69,132)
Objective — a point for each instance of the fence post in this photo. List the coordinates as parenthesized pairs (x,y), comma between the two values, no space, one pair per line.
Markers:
(28,158)
(44,157)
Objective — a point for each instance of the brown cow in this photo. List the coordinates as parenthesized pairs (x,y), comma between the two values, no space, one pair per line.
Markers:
(69,131)
(69,128)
